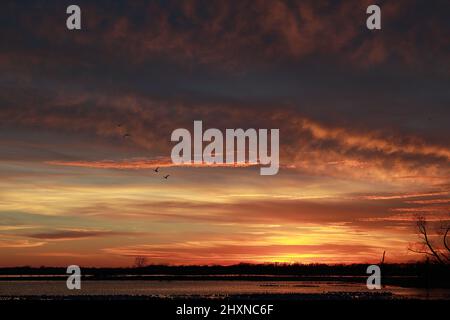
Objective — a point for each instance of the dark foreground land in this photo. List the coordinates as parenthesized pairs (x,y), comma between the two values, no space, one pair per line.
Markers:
(336,305)
(293,307)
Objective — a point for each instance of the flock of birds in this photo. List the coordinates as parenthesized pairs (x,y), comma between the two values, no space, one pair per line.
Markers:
(126,135)
(157,170)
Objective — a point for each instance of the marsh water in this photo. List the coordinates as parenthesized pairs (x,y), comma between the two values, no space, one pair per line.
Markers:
(204,288)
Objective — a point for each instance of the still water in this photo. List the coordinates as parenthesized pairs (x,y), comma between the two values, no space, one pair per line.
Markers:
(210,288)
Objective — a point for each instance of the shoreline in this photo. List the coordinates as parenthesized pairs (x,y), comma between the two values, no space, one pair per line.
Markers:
(401,281)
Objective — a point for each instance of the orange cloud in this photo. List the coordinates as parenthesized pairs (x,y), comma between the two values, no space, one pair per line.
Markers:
(306,144)
(407,195)
(19,243)
(143,164)
(374,141)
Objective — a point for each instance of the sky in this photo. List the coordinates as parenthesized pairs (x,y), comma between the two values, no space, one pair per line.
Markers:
(363,118)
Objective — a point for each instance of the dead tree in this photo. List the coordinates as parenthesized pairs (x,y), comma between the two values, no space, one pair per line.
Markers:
(140,262)
(437,252)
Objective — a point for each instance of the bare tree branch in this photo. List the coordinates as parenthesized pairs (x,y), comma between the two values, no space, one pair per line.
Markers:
(445,239)
(422,252)
(422,229)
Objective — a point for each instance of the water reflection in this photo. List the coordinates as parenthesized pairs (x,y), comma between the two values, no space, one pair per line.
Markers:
(211,288)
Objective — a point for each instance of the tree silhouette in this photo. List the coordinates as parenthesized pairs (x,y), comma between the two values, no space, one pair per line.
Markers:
(434,246)
(140,262)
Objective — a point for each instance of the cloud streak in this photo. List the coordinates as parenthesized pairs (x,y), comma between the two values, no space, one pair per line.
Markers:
(145,164)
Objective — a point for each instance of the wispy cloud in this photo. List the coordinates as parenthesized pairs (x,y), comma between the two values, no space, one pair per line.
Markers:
(143,164)
(19,243)
(74,234)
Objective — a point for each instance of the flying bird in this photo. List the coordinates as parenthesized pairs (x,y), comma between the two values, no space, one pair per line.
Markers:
(165,177)
(126,135)
(156,170)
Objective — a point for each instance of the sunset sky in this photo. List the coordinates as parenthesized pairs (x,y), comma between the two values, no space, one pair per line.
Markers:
(364,119)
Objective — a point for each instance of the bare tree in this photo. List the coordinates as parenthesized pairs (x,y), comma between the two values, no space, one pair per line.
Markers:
(437,249)
(140,262)
(445,238)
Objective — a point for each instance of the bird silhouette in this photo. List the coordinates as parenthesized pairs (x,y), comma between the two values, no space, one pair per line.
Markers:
(156,170)
(126,135)
(119,125)
(165,177)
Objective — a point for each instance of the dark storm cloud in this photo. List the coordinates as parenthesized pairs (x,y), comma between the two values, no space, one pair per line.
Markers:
(229,33)
(348,102)
(315,57)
